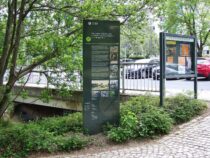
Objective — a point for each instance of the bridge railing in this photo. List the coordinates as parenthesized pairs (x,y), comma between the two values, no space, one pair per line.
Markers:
(133,76)
(139,77)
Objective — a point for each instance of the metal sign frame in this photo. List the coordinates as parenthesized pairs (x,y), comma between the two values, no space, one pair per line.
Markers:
(182,39)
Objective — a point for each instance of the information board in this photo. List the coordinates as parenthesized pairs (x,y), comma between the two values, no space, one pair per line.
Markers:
(179,55)
(178,59)
(101,47)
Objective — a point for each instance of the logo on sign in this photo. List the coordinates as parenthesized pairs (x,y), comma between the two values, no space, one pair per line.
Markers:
(88,39)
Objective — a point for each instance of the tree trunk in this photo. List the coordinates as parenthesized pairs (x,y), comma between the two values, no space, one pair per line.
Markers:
(5,99)
(200,52)
(1,80)
(4,102)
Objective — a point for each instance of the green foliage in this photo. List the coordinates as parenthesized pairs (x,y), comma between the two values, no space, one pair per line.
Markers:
(71,142)
(119,134)
(126,131)
(60,125)
(45,95)
(129,120)
(139,104)
(187,17)
(24,94)
(18,140)
(154,122)
(182,108)
(33,138)
(52,45)
(141,117)
(138,41)
(4,123)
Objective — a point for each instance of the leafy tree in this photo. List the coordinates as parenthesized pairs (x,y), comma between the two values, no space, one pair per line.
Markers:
(139,41)
(187,17)
(48,33)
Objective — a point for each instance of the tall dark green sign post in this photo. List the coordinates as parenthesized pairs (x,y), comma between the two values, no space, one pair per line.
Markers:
(179,52)
(101,47)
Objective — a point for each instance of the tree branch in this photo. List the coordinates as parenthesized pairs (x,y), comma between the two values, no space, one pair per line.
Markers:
(29,68)
(29,8)
(72,32)
(22,87)
(7,39)
(66,9)
(47,7)
(41,31)
(17,41)
(206,37)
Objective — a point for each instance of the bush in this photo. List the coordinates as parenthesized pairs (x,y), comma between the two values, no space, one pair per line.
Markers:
(37,139)
(127,129)
(154,122)
(139,104)
(60,125)
(18,140)
(5,123)
(182,108)
(119,134)
(141,117)
(71,142)
(11,140)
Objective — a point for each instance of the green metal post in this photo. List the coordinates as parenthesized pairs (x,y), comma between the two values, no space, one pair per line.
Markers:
(162,68)
(195,70)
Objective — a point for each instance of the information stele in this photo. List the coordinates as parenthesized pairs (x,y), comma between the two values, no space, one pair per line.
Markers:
(101,47)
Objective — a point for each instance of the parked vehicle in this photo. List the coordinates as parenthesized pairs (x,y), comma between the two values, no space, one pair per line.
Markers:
(126,60)
(203,68)
(172,71)
(140,68)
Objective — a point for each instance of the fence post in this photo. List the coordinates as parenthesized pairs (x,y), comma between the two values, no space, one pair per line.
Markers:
(195,70)
(123,78)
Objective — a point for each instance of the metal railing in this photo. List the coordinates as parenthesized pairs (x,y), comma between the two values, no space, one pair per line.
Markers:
(133,76)
(139,77)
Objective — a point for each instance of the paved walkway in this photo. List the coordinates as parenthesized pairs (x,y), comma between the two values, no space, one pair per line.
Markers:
(191,141)
(202,94)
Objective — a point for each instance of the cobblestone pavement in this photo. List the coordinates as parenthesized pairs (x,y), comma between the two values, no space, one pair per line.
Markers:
(192,140)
